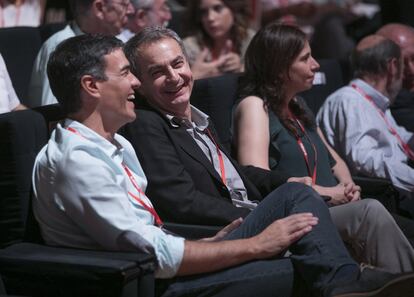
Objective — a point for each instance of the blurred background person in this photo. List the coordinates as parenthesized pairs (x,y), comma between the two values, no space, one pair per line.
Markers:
(403,107)
(219,36)
(146,13)
(90,16)
(15,13)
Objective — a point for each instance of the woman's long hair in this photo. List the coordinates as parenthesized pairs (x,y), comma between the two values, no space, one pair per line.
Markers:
(268,59)
(238,31)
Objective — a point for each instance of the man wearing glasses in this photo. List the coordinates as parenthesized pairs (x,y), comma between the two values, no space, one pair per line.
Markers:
(146,13)
(90,16)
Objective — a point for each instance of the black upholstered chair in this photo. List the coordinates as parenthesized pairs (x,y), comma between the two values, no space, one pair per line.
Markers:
(31,268)
(19,47)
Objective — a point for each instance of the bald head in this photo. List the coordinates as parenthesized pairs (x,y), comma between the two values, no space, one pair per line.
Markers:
(399,33)
(369,41)
(404,36)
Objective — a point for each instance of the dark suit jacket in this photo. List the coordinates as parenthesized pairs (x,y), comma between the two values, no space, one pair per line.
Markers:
(182,183)
(403,109)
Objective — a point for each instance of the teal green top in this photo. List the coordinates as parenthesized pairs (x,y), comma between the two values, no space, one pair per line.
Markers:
(285,154)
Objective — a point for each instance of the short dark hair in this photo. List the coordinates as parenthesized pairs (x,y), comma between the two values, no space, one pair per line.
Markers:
(373,60)
(147,36)
(74,58)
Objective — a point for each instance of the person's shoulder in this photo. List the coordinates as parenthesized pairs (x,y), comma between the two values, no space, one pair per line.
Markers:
(59,36)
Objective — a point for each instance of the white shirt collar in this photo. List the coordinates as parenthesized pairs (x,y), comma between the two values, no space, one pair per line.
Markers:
(379,99)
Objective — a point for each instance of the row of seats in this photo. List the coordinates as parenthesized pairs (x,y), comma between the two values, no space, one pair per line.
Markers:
(28,267)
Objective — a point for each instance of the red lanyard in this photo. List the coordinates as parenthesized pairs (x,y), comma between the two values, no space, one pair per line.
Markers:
(150,209)
(305,153)
(220,156)
(407,150)
(138,198)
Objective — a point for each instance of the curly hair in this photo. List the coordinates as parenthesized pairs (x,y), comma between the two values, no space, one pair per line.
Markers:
(238,31)
(268,59)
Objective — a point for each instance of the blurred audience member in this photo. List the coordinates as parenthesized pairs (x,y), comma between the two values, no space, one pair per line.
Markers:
(403,107)
(146,13)
(8,98)
(219,36)
(357,120)
(15,13)
(90,16)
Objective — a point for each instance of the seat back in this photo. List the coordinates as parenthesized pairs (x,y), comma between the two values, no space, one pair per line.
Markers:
(216,96)
(19,47)
(23,133)
(328,80)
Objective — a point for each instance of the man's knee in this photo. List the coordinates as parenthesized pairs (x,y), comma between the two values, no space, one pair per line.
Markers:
(297,192)
(374,211)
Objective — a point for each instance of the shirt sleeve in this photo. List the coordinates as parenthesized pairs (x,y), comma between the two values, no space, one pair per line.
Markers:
(94,196)
(354,128)
(9,100)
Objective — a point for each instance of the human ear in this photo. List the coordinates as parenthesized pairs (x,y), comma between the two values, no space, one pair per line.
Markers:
(89,85)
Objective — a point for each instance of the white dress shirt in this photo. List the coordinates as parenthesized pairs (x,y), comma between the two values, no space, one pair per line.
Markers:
(8,97)
(81,198)
(356,129)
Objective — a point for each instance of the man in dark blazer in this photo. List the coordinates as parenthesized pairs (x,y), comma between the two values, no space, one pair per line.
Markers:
(193,180)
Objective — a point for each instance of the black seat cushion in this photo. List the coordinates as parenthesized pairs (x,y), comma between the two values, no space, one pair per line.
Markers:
(23,134)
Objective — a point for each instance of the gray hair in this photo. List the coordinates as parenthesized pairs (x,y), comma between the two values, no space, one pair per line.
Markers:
(148,36)
(142,4)
(373,60)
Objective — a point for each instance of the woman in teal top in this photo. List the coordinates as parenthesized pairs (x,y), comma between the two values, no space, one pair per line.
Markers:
(274,129)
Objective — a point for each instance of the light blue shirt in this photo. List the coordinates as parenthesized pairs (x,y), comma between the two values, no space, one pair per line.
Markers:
(355,128)
(39,88)
(81,198)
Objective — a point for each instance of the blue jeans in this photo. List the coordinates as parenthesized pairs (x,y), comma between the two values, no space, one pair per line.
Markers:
(315,259)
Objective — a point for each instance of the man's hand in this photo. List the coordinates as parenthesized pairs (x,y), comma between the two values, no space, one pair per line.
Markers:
(278,236)
(352,191)
(232,63)
(223,232)
(202,68)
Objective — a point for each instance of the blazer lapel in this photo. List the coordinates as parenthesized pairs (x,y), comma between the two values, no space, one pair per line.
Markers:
(189,145)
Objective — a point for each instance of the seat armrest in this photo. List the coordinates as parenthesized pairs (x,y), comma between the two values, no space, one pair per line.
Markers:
(372,183)
(192,231)
(380,189)
(28,268)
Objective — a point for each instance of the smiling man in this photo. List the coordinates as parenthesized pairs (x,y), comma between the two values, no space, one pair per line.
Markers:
(90,193)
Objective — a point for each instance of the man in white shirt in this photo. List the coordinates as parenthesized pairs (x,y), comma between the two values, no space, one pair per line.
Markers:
(357,121)
(91,16)
(90,193)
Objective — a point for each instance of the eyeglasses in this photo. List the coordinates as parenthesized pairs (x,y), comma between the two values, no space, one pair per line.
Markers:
(124,4)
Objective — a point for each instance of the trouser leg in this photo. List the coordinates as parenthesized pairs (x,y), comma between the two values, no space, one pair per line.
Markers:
(373,236)
(259,278)
(316,257)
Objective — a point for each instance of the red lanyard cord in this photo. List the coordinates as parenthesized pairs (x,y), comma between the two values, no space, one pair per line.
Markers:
(151,209)
(138,198)
(305,153)
(407,150)
(220,156)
